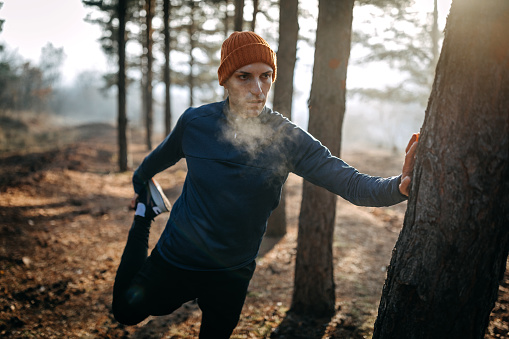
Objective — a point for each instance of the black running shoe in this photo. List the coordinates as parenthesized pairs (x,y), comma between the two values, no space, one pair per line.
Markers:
(154,200)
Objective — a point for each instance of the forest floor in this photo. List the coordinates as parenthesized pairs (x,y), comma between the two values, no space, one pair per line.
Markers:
(64,221)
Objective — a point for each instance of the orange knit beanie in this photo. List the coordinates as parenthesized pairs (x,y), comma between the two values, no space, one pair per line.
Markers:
(241,49)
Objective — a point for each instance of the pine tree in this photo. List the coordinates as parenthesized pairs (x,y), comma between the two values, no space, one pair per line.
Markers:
(314,282)
(451,254)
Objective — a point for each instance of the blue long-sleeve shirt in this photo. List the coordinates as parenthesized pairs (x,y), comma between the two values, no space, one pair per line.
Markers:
(236,169)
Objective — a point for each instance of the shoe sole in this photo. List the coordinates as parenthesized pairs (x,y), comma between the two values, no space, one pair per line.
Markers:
(158,196)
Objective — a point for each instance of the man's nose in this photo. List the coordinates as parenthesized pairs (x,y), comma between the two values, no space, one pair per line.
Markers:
(256,87)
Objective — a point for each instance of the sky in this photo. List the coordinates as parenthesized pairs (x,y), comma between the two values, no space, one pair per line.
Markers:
(30,24)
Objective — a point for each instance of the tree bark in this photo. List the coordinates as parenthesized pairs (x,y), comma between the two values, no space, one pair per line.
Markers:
(167,79)
(122,116)
(255,13)
(283,90)
(239,15)
(149,111)
(314,282)
(192,44)
(443,278)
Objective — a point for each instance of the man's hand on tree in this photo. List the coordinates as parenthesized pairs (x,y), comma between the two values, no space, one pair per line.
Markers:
(408,165)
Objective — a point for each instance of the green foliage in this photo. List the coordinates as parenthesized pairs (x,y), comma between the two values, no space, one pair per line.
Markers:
(24,86)
(51,61)
(404,40)
(105,15)
(7,78)
(196,35)
(1,20)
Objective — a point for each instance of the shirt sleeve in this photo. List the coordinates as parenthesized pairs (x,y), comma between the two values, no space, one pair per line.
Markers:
(315,163)
(165,155)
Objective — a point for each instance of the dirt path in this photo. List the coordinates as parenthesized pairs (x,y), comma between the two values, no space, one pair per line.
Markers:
(64,223)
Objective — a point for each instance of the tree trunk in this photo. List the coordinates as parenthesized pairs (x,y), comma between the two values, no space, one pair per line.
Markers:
(283,90)
(192,44)
(255,13)
(122,116)
(452,251)
(149,111)
(239,15)
(314,282)
(226,19)
(167,79)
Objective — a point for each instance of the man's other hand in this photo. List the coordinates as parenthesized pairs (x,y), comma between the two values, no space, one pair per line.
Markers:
(134,200)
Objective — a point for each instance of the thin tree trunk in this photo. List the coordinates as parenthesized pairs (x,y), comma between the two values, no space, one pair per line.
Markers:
(149,111)
(255,13)
(452,251)
(191,30)
(239,15)
(314,282)
(122,116)
(283,90)
(226,19)
(167,79)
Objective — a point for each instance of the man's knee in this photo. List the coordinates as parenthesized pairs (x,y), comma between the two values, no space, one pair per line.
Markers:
(127,306)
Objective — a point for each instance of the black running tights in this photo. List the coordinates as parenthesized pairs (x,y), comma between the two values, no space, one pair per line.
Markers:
(148,285)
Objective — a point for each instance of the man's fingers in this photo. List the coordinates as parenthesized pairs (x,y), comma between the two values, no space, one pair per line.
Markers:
(412,150)
(413,139)
(133,201)
(404,186)
(408,165)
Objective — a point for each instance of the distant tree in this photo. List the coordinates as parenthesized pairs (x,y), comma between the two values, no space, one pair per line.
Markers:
(1,20)
(167,69)
(192,28)
(148,72)
(451,254)
(255,12)
(8,81)
(239,15)
(50,64)
(267,24)
(226,19)
(30,87)
(314,282)
(121,83)
(113,18)
(106,17)
(283,90)
(198,34)
(408,42)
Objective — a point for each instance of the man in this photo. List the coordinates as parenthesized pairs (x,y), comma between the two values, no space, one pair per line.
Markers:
(239,154)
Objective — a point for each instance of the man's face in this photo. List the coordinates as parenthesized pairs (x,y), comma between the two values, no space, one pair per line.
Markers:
(248,88)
